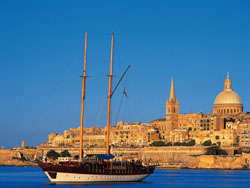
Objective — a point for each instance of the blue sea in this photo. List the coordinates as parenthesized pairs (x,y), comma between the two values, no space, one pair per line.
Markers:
(162,178)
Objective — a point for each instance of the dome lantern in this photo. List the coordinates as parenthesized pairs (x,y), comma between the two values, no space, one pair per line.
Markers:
(228,84)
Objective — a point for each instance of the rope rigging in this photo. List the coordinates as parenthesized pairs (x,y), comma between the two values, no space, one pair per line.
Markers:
(124,94)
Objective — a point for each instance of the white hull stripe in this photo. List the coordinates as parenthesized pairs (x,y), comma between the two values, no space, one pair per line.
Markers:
(74,177)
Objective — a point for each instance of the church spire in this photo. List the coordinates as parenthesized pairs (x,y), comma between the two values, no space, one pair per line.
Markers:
(172,109)
(172,93)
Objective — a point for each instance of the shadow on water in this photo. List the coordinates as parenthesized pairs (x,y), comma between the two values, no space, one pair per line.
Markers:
(104,184)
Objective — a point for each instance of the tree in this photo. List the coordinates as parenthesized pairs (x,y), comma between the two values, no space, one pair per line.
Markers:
(65,153)
(207,143)
(52,154)
(169,144)
(191,143)
(158,143)
(177,144)
(215,150)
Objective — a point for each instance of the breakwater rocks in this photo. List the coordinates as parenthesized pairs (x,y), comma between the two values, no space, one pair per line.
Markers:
(163,157)
(221,162)
(6,158)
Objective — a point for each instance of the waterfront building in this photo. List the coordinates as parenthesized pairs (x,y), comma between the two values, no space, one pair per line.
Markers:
(243,133)
(220,127)
(226,126)
(134,134)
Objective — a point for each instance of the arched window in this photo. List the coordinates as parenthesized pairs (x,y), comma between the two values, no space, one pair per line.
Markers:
(231,111)
(227,110)
(224,110)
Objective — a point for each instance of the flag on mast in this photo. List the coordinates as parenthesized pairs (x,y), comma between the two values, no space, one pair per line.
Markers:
(124,92)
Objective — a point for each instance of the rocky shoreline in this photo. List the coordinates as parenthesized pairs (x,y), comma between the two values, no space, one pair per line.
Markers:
(15,162)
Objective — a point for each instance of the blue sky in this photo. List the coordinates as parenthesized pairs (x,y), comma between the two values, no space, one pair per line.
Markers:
(42,45)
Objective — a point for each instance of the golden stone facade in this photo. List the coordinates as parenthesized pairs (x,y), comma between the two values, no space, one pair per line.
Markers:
(226,126)
(124,134)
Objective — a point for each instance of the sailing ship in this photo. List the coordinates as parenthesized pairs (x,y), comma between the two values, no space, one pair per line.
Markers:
(96,168)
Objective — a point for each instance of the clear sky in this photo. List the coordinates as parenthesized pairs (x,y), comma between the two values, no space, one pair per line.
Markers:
(41,56)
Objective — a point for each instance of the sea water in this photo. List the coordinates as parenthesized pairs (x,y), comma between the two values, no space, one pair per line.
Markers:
(162,178)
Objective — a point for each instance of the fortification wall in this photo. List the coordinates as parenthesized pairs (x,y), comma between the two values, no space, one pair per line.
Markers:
(170,157)
(154,154)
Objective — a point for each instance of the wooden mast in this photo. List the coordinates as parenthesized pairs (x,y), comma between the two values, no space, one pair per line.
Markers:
(82,100)
(109,96)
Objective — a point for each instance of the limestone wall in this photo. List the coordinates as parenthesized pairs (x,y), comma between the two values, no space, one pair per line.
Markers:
(154,154)
(5,154)
(170,157)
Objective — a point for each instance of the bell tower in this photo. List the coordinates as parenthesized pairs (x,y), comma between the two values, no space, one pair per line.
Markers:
(172,109)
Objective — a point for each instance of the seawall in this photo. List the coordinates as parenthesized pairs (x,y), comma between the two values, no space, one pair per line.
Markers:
(165,157)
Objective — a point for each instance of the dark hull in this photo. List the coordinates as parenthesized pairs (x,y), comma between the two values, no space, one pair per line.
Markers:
(103,169)
(69,172)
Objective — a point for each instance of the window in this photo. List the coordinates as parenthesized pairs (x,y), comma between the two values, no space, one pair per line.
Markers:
(217,137)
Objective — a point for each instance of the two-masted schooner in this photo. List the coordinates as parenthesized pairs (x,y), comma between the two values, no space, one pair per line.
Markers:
(96,168)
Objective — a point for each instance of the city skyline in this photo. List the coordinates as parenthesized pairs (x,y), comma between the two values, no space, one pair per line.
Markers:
(194,42)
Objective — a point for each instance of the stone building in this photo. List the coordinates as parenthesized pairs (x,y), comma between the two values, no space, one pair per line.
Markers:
(223,127)
(124,134)
(226,126)
(243,134)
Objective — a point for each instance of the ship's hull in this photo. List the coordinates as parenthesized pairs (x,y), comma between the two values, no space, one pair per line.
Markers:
(80,173)
(65,177)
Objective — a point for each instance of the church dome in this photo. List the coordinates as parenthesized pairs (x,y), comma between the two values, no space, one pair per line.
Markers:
(227,97)
(227,102)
